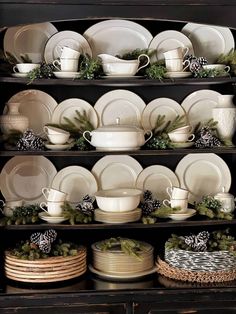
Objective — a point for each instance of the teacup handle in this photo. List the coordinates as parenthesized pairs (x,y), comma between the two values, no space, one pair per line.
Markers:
(169,191)
(147,62)
(185,51)
(56,64)
(44,191)
(227,68)
(166,203)
(45,129)
(59,50)
(191,138)
(186,62)
(149,136)
(84,136)
(15,70)
(42,205)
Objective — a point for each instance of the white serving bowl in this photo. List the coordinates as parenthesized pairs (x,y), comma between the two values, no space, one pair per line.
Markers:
(118,200)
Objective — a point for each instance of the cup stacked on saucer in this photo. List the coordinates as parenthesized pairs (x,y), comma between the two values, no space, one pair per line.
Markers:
(118,205)
(182,137)
(58,138)
(68,63)
(175,64)
(52,208)
(22,69)
(178,199)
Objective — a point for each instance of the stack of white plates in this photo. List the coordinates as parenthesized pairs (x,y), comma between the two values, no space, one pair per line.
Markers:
(117,217)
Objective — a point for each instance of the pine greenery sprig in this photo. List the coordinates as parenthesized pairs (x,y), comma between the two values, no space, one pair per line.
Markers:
(44,71)
(90,68)
(210,73)
(75,216)
(22,215)
(228,58)
(155,72)
(165,211)
(134,54)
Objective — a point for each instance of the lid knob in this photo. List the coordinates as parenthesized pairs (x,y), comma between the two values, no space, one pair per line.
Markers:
(118,120)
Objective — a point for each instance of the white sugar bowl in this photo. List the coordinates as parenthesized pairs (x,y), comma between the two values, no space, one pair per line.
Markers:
(227,200)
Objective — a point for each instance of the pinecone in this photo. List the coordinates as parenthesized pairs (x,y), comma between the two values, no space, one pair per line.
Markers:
(207,139)
(86,205)
(147,195)
(202,60)
(50,235)
(195,66)
(147,208)
(30,141)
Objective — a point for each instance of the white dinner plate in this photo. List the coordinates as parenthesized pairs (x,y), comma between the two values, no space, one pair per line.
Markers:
(76,181)
(209,40)
(68,108)
(28,39)
(38,106)
(116,37)
(116,171)
(63,74)
(52,219)
(203,174)
(23,177)
(160,106)
(176,74)
(66,38)
(198,105)
(122,104)
(156,179)
(125,276)
(169,40)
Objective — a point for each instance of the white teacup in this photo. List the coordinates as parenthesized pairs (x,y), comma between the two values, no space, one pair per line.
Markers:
(58,139)
(176,65)
(177,53)
(177,193)
(67,52)
(9,205)
(66,64)
(176,137)
(25,67)
(53,208)
(183,129)
(54,130)
(53,195)
(217,66)
(182,203)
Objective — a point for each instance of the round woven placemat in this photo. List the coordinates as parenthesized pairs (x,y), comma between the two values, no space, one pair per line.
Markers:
(165,269)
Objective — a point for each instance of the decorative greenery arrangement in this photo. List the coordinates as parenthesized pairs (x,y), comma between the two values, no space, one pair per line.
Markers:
(210,73)
(22,215)
(128,246)
(228,58)
(90,68)
(219,240)
(210,207)
(155,71)
(160,139)
(44,71)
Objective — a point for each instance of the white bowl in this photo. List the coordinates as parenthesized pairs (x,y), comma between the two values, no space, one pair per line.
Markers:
(118,200)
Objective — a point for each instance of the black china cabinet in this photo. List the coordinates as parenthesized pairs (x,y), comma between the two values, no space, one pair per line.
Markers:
(89,294)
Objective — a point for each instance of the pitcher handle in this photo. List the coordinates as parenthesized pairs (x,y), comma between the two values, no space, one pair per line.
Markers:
(144,65)
(84,136)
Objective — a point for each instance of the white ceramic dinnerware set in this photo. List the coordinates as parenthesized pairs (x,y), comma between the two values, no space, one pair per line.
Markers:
(175,63)
(182,137)
(59,139)
(22,69)
(178,199)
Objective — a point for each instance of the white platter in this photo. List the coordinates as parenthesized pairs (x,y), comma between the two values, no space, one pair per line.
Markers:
(208,40)
(120,277)
(117,37)
(66,38)
(203,174)
(51,219)
(116,171)
(19,75)
(28,39)
(169,40)
(70,75)
(76,181)
(160,106)
(156,179)
(178,74)
(38,106)
(122,104)
(183,216)
(198,105)
(68,108)
(23,177)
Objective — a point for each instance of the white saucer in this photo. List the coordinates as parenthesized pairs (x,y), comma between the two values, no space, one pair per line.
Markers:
(58,146)
(51,219)
(178,74)
(19,74)
(72,75)
(182,144)
(182,216)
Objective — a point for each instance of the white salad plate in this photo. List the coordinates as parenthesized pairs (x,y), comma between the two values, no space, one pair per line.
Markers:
(156,179)
(76,181)
(160,106)
(116,37)
(66,38)
(52,219)
(182,144)
(64,74)
(19,74)
(36,105)
(125,276)
(177,74)
(203,174)
(28,39)
(116,171)
(169,40)
(121,103)
(209,40)
(23,177)
(182,216)
(198,105)
(68,108)
(59,147)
